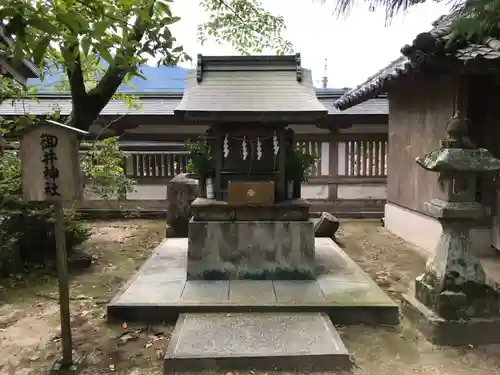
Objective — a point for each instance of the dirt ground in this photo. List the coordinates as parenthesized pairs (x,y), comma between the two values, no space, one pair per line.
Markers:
(29,313)
(29,339)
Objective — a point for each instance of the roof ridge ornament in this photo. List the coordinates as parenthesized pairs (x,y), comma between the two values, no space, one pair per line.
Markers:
(424,46)
(298,61)
(199,68)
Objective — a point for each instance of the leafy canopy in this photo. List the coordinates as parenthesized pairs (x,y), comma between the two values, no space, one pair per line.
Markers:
(125,33)
(245,24)
(468,18)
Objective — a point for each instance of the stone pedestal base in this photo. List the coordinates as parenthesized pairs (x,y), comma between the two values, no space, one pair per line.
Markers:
(440,331)
(470,301)
(221,250)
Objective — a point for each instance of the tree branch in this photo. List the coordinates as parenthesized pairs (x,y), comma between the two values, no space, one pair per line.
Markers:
(113,78)
(75,77)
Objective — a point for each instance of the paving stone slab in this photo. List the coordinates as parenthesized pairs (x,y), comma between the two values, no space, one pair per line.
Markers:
(251,292)
(255,341)
(147,293)
(215,292)
(298,292)
(353,293)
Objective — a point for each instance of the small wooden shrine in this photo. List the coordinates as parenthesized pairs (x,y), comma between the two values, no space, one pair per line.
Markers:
(255,227)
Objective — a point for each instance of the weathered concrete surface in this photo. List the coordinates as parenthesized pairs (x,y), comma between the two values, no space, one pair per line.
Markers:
(215,210)
(439,331)
(181,191)
(160,291)
(257,341)
(255,250)
(326,226)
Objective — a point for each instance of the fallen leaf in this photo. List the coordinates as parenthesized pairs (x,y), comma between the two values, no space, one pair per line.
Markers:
(149,345)
(155,338)
(129,335)
(159,353)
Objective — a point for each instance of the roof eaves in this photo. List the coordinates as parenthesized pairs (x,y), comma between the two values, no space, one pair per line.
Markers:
(320,93)
(32,71)
(424,46)
(376,85)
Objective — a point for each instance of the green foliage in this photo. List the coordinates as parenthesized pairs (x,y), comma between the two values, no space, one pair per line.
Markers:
(103,168)
(26,229)
(475,20)
(469,19)
(74,34)
(27,236)
(123,32)
(246,25)
(298,165)
(10,178)
(200,159)
(13,91)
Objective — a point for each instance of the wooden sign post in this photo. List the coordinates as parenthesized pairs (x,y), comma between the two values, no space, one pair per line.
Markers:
(50,171)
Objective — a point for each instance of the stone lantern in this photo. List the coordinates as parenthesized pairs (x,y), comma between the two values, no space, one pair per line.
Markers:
(453,305)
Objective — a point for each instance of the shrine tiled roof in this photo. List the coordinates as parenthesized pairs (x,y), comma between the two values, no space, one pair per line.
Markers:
(252,85)
(251,91)
(425,47)
(162,103)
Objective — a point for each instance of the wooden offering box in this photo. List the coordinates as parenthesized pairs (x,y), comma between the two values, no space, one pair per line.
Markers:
(251,192)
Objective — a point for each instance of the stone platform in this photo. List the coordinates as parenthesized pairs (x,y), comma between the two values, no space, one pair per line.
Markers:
(257,341)
(160,292)
(248,241)
(250,250)
(440,331)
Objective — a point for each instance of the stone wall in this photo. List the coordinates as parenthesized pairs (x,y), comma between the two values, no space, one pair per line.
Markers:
(219,250)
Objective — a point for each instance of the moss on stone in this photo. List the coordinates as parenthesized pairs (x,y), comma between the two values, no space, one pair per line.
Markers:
(266,274)
(215,275)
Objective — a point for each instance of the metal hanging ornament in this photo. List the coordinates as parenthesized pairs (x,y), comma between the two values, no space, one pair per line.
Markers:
(225,147)
(244,149)
(259,149)
(276,147)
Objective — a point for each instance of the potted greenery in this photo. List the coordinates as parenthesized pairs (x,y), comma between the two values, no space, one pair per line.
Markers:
(297,169)
(201,164)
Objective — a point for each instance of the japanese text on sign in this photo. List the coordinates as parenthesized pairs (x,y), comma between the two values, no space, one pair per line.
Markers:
(48,144)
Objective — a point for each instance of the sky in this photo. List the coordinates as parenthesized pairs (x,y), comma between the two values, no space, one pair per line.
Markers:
(355,47)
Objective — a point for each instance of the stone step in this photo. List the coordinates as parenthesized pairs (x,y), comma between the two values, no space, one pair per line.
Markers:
(255,341)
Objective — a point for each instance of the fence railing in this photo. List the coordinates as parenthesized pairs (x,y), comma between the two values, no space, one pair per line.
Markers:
(157,164)
(355,158)
(312,147)
(367,158)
